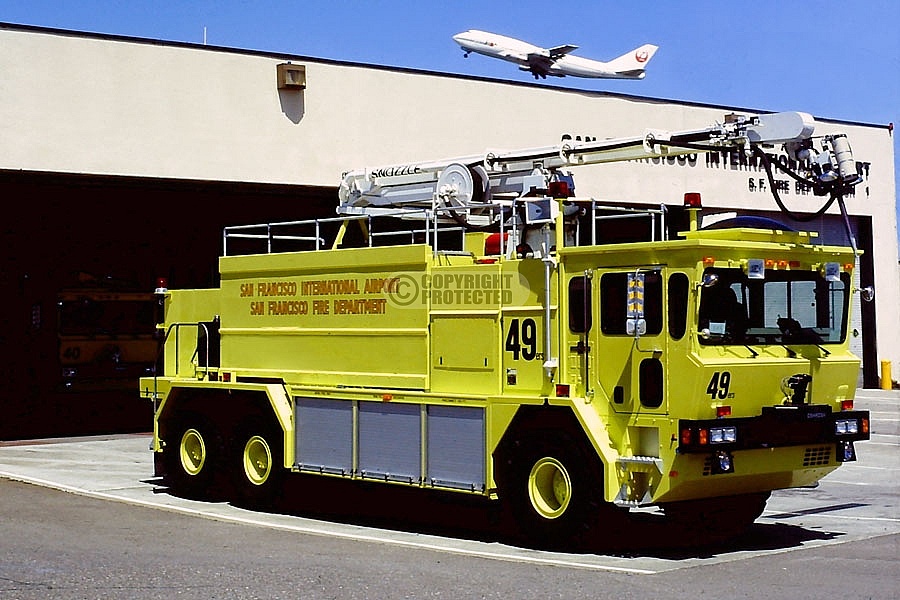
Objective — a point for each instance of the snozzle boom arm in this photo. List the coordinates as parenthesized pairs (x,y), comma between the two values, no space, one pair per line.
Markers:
(478,181)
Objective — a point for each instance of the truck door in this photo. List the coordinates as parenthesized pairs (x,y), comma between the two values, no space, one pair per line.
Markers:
(629,347)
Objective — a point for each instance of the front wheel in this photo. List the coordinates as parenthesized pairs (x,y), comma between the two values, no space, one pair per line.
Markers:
(258,464)
(554,489)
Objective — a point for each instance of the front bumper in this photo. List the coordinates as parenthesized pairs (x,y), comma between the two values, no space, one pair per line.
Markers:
(776,427)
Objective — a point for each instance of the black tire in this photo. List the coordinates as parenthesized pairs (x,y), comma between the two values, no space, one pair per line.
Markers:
(711,521)
(257,464)
(191,455)
(553,487)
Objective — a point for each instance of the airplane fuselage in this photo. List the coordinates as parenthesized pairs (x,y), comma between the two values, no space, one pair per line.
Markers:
(585,67)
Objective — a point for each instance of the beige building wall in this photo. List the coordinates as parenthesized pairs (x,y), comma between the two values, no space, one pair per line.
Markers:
(76,103)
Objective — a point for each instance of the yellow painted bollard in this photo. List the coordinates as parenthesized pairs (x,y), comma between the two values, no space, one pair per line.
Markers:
(886,381)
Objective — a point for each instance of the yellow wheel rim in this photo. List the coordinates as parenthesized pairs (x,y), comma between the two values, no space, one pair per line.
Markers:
(192,451)
(549,488)
(257,460)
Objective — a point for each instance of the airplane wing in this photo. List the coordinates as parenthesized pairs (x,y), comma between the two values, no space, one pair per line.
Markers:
(558,51)
(539,64)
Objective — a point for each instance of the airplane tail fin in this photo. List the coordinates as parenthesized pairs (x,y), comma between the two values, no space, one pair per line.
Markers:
(632,64)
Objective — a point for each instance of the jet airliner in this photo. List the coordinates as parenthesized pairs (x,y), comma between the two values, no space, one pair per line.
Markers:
(556,61)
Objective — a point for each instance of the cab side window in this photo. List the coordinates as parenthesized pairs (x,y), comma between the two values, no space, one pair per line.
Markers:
(580,304)
(678,301)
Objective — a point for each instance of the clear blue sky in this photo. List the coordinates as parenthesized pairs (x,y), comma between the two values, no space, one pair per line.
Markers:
(834,59)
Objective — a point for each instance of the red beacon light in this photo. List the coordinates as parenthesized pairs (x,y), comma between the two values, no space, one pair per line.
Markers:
(162,286)
(494,244)
(693,205)
(692,200)
(559,189)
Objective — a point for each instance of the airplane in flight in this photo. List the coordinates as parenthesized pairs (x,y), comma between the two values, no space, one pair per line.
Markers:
(556,61)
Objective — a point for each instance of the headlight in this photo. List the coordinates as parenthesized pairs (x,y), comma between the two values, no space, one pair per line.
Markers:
(722,435)
(846,426)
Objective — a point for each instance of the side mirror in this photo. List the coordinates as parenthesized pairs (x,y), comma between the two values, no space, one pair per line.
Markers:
(867,293)
(709,280)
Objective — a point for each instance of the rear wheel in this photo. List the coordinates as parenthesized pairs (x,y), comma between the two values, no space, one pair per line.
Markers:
(258,464)
(191,454)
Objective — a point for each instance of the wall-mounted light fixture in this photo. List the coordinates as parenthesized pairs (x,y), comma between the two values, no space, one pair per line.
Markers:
(291,77)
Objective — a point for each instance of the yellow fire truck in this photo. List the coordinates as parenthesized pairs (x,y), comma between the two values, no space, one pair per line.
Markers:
(106,334)
(464,327)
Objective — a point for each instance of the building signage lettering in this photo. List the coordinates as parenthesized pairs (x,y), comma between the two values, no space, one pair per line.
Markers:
(736,160)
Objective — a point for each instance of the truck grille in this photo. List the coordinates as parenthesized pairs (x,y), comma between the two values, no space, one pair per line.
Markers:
(817,457)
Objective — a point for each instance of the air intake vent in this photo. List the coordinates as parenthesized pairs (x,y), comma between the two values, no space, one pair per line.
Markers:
(708,465)
(817,457)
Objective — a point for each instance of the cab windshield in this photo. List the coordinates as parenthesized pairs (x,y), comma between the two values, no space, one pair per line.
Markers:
(786,307)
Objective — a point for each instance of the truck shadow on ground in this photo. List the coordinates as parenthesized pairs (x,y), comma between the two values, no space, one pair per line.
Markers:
(476,518)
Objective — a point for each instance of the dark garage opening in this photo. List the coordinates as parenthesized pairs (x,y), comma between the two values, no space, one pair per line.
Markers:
(63,231)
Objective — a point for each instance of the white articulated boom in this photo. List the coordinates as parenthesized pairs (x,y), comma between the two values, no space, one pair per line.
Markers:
(466,188)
